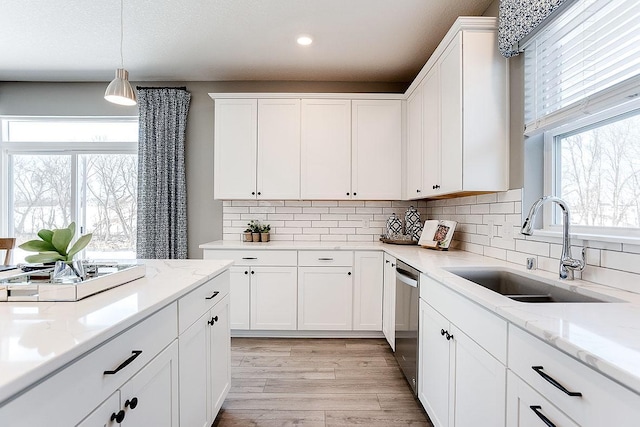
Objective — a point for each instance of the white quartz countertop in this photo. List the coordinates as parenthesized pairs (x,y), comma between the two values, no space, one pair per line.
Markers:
(37,338)
(604,336)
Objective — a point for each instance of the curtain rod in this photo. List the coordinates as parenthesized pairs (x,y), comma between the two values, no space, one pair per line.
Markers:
(161,87)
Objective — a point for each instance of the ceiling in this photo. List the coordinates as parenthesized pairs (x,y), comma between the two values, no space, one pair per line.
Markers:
(219,40)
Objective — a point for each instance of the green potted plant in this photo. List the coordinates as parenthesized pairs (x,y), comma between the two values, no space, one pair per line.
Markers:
(247,234)
(264,232)
(254,226)
(53,246)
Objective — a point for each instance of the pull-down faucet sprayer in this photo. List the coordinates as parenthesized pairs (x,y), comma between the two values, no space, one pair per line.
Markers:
(567,264)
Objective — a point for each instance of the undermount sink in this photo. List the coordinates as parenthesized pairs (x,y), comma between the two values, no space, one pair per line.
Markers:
(523,288)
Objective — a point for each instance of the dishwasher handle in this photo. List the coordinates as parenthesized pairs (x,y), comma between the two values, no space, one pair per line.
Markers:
(406,279)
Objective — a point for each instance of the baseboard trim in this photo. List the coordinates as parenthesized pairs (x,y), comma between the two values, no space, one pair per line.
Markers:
(305,334)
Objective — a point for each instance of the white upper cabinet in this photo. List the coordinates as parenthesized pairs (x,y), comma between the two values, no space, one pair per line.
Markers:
(326,149)
(414,145)
(235,136)
(278,169)
(431,155)
(376,156)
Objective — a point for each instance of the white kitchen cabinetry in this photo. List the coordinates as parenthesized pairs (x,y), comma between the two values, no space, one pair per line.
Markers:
(389,300)
(239,304)
(414,156)
(367,290)
(376,148)
(461,380)
(464,115)
(101,416)
(204,344)
(278,166)
(326,149)
(235,148)
(325,298)
(273,298)
(585,396)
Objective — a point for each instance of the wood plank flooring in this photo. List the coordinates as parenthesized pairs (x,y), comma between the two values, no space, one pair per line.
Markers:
(317,383)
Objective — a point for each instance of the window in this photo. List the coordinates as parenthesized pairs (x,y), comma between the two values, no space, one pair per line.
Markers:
(60,170)
(582,81)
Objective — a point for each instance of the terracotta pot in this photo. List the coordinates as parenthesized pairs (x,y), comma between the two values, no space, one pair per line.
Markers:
(247,236)
(256,237)
(264,237)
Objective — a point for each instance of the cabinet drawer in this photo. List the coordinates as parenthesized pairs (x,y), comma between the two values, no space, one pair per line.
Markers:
(255,257)
(603,401)
(486,328)
(200,300)
(322,258)
(71,394)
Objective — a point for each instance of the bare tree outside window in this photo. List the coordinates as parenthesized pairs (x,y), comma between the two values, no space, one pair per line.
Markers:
(600,174)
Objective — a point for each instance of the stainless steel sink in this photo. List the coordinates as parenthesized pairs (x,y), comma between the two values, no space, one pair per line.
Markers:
(523,288)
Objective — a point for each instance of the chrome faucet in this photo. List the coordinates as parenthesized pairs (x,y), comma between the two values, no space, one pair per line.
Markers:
(567,264)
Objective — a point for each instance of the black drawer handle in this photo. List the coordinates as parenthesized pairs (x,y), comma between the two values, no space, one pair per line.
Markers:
(119,417)
(134,354)
(553,382)
(536,410)
(325,259)
(249,257)
(213,320)
(131,403)
(215,294)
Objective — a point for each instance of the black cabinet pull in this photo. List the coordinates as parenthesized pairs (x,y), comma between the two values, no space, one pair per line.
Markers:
(536,410)
(246,272)
(449,336)
(131,403)
(553,382)
(134,354)
(253,193)
(393,265)
(386,261)
(325,259)
(249,257)
(213,320)
(417,191)
(119,417)
(442,332)
(259,193)
(347,194)
(253,272)
(354,193)
(215,294)
(446,334)
(349,273)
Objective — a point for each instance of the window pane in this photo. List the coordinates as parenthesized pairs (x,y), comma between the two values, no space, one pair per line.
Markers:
(41,196)
(72,131)
(110,197)
(600,173)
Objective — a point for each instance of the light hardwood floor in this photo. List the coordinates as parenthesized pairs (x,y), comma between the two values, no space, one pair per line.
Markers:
(317,382)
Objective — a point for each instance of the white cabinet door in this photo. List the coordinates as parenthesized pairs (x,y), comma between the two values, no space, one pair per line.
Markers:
(527,408)
(480,382)
(325,296)
(240,301)
(451,117)
(389,301)
(326,149)
(101,416)
(376,149)
(219,358)
(367,291)
(434,366)
(273,298)
(278,175)
(194,366)
(414,157)
(150,398)
(431,158)
(235,144)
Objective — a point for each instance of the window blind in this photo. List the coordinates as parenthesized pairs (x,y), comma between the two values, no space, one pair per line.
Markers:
(585,61)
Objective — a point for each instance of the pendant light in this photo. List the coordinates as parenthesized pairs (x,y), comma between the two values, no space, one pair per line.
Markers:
(119,90)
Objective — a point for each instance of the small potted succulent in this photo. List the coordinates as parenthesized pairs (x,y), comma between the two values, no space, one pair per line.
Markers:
(247,235)
(254,227)
(264,232)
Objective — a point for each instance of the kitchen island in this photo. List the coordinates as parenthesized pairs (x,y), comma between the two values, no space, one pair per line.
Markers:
(60,360)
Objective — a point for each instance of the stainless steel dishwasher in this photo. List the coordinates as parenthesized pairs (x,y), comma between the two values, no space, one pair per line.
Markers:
(407,306)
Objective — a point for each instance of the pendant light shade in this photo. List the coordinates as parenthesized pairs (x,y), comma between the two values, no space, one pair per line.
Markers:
(119,90)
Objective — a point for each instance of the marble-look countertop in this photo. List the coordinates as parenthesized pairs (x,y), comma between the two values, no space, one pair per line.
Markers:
(37,338)
(604,336)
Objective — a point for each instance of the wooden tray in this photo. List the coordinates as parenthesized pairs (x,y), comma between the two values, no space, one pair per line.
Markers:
(398,242)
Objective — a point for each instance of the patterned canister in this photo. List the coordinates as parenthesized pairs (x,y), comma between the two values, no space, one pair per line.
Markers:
(411,217)
(416,231)
(394,225)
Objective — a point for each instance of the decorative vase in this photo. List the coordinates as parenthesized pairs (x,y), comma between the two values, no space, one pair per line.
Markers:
(247,236)
(64,272)
(264,237)
(255,237)
(394,226)
(411,217)
(416,231)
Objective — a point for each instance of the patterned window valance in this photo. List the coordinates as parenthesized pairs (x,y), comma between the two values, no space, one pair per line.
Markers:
(518,18)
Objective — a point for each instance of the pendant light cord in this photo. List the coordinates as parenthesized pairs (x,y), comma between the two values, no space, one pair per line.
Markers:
(121,32)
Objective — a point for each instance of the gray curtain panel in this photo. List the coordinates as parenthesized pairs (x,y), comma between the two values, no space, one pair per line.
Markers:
(518,18)
(162,193)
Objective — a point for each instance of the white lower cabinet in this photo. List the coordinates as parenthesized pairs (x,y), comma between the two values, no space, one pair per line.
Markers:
(102,415)
(273,298)
(459,381)
(219,357)
(389,300)
(240,291)
(367,291)
(325,298)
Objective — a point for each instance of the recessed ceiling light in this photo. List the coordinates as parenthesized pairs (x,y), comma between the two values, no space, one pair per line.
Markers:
(304,40)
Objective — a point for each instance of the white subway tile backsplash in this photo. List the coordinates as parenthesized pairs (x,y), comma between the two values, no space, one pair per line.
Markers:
(324,203)
(502,208)
(334,217)
(316,210)
(495,253)
(509,196)
(321,224)
(352,203)
(283,217)
(529,246)
(620,261)
(303,203)
(486,198)
(484,208)
(290,209)
(342,210)
(333,238)
(308,216)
